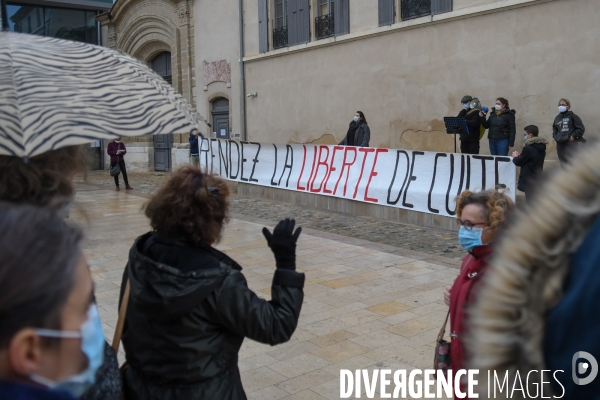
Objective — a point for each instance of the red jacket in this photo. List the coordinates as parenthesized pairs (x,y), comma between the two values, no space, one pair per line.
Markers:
(462,294)
(112,148)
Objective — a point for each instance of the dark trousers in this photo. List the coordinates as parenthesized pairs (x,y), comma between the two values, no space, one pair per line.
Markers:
(565,151)
(469,147)
(123,171)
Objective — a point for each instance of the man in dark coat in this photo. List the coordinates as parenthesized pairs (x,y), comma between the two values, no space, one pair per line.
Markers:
(531,160)
(469,142)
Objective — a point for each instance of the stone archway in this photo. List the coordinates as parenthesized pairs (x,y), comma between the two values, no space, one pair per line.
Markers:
(145,28)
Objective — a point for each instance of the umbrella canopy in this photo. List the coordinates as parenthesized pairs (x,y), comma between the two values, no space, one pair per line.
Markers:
(56,93)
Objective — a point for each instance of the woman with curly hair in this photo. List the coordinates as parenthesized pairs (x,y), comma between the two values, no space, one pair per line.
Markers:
(190,307)
(481,216)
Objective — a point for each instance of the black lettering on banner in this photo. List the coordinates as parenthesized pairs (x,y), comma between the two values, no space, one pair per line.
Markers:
(460,183)
(212,155)
(204,151)
(242,163)
(483,159)
(389,201)
(431,209)
(231,144)
(274,168)
(412,178)
(499,160)
(223,157)
(468,185)
(289,152)
(255,160)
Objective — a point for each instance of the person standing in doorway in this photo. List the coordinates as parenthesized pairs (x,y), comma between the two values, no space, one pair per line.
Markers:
(117,150)
(194,151)
(567,131)
(502,128)
(359,133)
(469,142)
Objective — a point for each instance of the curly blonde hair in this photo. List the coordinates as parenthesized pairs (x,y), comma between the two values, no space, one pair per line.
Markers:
(495,205)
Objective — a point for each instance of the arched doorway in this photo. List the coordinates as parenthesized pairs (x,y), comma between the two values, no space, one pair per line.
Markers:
(161,64)
(220,117)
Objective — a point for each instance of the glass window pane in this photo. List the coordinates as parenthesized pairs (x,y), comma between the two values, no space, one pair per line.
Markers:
(66,24)
(26,19)
(91,27)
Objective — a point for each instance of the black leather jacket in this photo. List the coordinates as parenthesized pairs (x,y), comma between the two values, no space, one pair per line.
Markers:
(188,314)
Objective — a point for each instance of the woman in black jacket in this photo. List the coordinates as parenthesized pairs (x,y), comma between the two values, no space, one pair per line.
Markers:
(358,133)
(567,131)
(502,128)
(190,307)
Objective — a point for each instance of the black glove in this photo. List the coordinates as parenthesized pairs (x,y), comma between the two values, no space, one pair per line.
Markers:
(283,243)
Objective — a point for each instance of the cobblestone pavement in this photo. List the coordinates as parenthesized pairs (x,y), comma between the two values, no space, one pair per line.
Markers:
(366,305)
(427,240)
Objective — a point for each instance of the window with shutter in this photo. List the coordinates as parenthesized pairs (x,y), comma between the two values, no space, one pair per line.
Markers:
(387,12)
(441,6)
(342,17)
(263,27)
(324,22)
(410,9)
(280,31)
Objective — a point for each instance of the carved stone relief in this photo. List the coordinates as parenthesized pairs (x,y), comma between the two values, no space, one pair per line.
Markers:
(216,71)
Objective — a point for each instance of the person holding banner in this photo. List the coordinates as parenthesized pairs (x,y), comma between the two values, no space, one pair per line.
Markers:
(358,133)
(481,216)
(502,128)
(190,307)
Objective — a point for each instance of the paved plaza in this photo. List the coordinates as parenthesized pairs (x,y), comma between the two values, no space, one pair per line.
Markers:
(367,305)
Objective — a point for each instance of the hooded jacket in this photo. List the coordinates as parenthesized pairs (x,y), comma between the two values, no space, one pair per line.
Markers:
(474,121)
(567,125)
(502,126)
(188,314)
(531,161)
(538,304)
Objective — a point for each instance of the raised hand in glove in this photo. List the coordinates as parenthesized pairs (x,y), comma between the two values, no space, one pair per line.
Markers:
(283,243)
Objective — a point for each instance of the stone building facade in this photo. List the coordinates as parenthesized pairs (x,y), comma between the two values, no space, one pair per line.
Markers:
(311,64)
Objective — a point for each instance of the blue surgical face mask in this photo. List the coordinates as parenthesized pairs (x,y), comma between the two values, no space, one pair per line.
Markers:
(355,118)
(562,109)
(469,239)
(92,345)
(466,106)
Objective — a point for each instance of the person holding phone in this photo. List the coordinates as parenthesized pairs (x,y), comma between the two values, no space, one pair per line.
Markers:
(117,150)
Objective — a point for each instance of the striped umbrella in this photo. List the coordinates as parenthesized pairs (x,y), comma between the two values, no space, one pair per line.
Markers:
(56,93)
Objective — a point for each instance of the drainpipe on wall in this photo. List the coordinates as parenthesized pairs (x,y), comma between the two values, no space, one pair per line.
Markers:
(242,75)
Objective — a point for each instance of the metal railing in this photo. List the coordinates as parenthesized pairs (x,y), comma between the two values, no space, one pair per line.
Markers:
(414,8)
(280,37)
(324,26)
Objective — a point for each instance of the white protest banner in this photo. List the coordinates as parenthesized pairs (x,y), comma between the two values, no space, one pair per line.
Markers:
(415,180)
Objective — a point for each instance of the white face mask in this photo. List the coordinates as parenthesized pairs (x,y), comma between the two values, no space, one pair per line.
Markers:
(525,137)
(498,107)
(355,118)
(117,141)
(562,109)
